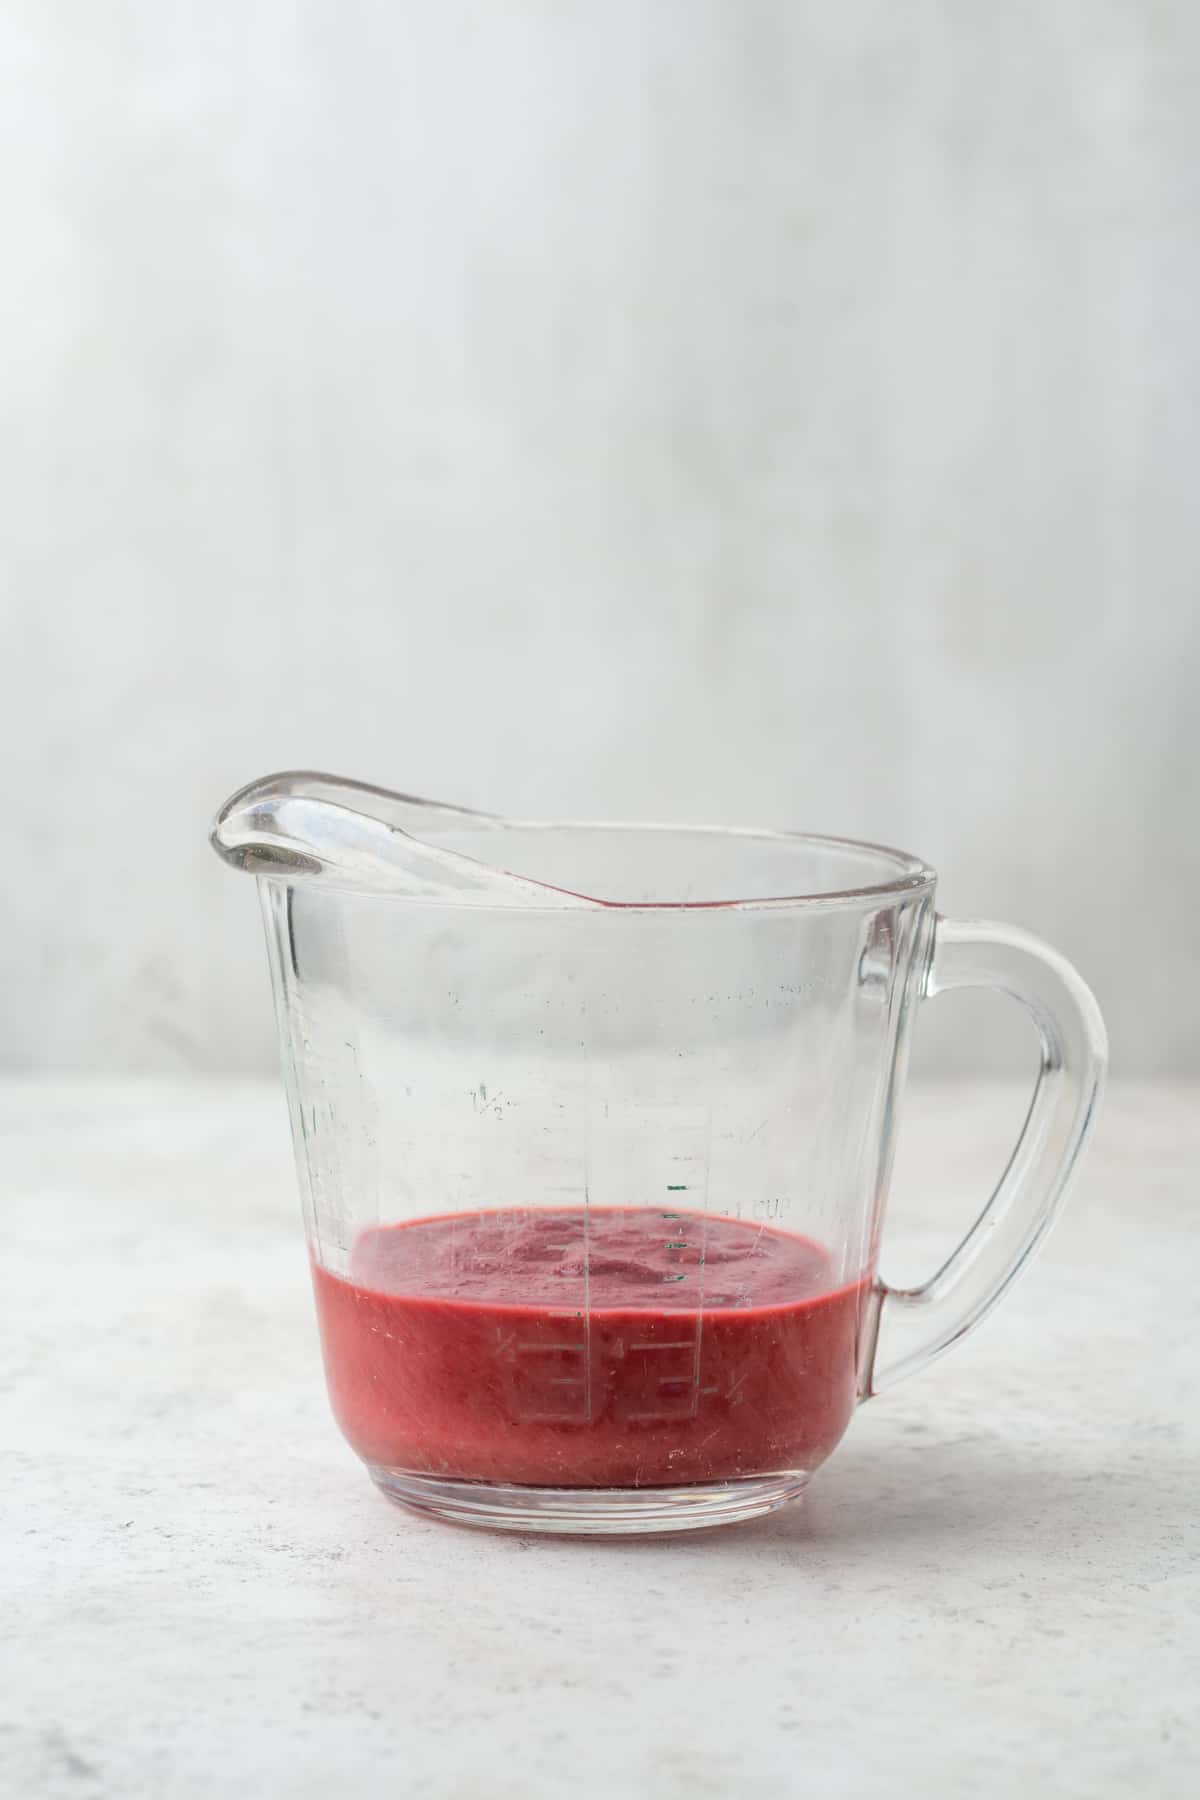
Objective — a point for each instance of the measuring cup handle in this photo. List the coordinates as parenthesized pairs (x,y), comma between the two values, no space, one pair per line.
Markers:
(915,1325)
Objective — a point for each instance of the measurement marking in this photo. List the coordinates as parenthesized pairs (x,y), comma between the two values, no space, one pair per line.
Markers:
(576,1348)
(564,1381)
(675,1344)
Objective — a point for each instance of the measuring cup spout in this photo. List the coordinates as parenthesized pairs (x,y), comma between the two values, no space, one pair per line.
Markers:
(303,825)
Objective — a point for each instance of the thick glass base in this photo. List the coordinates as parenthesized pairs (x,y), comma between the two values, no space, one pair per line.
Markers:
(590,1512)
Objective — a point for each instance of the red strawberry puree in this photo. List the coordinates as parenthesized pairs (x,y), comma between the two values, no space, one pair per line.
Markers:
(598,1348)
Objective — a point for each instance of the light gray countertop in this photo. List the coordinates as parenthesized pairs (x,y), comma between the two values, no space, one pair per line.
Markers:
(992,1589)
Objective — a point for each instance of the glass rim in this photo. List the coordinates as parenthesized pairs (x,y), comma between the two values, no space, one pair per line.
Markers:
(303,827)
(913,873)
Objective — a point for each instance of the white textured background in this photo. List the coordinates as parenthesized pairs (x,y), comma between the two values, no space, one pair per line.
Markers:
(735,409)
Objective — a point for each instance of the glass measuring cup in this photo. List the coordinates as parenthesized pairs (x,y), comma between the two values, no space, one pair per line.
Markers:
(593,1127)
